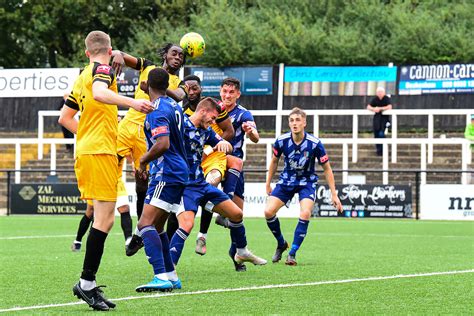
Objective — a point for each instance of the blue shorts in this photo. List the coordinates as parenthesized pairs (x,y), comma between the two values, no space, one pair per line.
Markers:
(166,196)
(239,188)
(200,194)
(286,192)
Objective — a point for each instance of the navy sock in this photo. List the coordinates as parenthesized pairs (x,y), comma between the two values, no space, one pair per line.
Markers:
(274,224)
(171,225)
(165,243)
(232,177)
(232,250)
(206,219)
(153,248)
(140,202)
(300,234)
(237,234)
(177,244)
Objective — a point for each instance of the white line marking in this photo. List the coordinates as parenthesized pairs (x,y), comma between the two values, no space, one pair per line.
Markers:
(251,288)
(45,236)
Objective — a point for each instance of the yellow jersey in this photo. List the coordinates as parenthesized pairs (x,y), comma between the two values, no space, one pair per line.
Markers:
(144,66)
(98,126)
(222,117)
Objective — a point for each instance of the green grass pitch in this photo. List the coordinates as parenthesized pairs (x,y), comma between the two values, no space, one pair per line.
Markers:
(42,270)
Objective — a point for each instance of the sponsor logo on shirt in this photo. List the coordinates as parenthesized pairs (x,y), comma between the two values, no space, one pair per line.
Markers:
(103,69)
(159,130)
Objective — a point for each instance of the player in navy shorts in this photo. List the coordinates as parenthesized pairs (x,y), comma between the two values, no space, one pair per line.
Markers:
(301,151)
(168,175)
(198,192)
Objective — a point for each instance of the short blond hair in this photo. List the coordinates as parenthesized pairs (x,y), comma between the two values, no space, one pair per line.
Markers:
(97,42)
(297,111)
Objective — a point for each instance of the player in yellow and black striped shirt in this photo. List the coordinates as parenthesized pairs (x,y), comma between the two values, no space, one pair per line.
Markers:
(131,138)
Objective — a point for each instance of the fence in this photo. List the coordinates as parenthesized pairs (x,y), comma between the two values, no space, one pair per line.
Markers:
(418,177)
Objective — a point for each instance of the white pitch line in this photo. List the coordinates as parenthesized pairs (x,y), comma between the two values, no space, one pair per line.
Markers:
(250,288)
(43,236)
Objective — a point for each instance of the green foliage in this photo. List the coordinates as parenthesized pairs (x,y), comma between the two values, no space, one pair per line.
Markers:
(297,32)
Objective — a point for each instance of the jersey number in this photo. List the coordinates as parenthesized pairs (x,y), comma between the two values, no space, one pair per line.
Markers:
(178,119)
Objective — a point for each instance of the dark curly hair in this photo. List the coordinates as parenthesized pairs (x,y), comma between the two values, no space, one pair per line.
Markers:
(164,50)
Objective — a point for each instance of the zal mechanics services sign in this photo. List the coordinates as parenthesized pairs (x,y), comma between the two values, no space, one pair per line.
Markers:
(447,201)
(37,82)
(384,201)
(46,199)
(422,79)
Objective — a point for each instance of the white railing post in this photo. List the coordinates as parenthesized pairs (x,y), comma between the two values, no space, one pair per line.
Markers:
(53,159)
(316,125)
(465,157)
(281,82)
(355,135)
(17,162)
(345,162)
(385,163)
(430,137)
(394,137)
(40,134)
(269,158)
(423,162)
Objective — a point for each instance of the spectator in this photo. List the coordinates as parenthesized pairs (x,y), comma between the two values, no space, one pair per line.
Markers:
(66,132)
(377,105)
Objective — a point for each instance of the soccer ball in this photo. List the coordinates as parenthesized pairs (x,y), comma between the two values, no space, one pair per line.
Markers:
(193,44)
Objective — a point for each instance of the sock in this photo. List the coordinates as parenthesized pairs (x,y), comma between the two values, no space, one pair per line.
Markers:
(237,234)
(172,276)
(94,251)
(232,251)
(206,219)
(242,251)
(153,248)
(87,285)
(177,244)
(165,244)
(202,235)
(232,177)
(140,202)
(172,225)
(300,234)
(162,276)
(83,226)
(126,222)
(274,224)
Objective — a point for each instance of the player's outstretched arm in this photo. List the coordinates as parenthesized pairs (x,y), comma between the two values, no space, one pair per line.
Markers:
(227,129)
(120,58)
(332,186)
(102,93)
(67,119)
(271,172)
(251,131)
(177,94)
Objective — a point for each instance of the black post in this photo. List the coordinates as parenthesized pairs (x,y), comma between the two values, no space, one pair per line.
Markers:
(8,192)
(417,194)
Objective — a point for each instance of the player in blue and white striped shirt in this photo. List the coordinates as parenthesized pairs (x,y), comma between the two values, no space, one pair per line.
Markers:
(301,151)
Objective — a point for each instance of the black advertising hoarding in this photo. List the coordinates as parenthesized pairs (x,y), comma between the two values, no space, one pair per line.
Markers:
(127,82)
(46,199)
(365,201)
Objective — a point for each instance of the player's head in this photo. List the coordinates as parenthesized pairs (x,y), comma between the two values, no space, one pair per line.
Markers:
(158,80)
(194,87)
(380,92)
(172,57)
(230,91)
(207,110)
(297,120)
(98,43)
